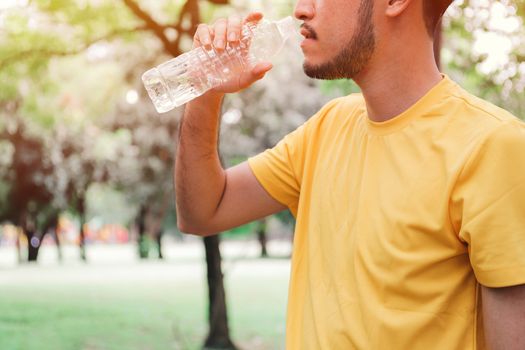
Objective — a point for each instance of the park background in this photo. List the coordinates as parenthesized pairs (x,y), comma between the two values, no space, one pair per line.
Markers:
(90,254)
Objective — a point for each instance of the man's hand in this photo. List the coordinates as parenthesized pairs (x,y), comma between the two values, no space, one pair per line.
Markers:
(504,317)
(228,32)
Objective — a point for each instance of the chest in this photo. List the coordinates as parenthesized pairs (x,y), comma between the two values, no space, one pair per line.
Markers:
(382,195)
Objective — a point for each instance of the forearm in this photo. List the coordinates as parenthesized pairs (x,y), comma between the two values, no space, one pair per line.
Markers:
(199,176)
(504,317)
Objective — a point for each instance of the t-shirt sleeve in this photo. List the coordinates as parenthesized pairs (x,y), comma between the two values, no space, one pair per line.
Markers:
(279,169)
(490,196)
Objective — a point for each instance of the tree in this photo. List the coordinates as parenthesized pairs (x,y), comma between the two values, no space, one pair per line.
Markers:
(26,196)
(49,34)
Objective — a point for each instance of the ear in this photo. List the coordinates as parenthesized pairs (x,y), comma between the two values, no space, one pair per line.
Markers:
(396,7)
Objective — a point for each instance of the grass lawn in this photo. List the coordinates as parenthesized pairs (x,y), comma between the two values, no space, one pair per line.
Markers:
(117,302)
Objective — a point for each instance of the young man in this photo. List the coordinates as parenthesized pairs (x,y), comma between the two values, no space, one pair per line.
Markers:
(409,197)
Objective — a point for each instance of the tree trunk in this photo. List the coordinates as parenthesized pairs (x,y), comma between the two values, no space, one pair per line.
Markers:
(158,238)
(33,245)
(82,240)
(261,236)
(218,337)
(219,334)
(82,234)
(54,229)
(35,238)
(142,242)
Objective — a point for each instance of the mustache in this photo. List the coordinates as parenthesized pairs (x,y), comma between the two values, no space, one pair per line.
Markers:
(311,32)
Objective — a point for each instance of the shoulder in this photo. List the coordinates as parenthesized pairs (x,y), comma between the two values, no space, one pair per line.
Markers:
(499,147)
(505,143)
(473,124)
(478,111)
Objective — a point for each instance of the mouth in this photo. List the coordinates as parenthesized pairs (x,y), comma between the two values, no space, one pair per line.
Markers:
(308,32)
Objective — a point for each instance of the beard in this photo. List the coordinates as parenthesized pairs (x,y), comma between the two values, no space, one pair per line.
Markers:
(354,55)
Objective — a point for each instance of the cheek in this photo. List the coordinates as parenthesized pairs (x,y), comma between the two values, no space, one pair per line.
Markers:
(335,40)
(339,21)
(336,31)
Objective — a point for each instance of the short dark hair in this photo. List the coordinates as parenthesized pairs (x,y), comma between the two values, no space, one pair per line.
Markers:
(433,10)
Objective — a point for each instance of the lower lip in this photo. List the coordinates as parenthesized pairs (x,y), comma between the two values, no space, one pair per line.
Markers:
(307,41)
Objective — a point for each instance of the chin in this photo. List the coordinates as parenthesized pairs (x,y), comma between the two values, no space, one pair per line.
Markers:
(312,71)
(311,65)
(324,71)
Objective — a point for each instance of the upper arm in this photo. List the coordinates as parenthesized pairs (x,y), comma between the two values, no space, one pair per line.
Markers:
(504,317)
(265,184)
(487,202)
(244,200)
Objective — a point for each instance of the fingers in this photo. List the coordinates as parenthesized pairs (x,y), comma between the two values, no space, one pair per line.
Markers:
(234,29)
(223,31)
(253,17)
(203,36)
(227,33)
(221,28)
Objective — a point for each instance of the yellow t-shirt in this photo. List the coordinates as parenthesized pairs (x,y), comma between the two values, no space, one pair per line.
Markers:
(398,221)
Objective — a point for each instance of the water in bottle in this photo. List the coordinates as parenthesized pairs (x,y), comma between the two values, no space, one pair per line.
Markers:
(191,74)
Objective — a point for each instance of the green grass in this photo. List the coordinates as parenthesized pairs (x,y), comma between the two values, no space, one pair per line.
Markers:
(133,305)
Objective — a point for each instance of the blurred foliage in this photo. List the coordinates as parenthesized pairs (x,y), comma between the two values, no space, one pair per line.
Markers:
(484,50)
(66,71)
(340,87)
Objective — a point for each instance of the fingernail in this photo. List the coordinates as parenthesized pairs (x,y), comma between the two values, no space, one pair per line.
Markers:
(232,36)
(219,43)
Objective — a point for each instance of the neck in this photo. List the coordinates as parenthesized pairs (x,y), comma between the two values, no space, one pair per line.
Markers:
(394,84)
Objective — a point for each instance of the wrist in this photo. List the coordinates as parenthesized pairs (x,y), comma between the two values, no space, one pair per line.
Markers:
(210,101)
(214,95)
(211,98)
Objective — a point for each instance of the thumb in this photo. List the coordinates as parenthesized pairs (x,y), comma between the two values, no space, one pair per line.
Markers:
(260,69)
(247,78)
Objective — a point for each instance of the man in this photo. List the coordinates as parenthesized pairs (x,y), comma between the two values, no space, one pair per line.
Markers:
(409,197)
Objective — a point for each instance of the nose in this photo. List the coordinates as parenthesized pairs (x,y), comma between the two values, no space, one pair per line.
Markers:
(304,10)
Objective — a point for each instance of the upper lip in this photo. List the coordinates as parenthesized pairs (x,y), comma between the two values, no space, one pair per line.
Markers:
(306,33)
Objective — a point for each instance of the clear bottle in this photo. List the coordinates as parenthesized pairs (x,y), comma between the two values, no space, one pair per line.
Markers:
(191,74)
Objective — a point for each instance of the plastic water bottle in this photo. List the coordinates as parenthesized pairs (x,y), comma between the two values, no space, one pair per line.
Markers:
(191,74)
